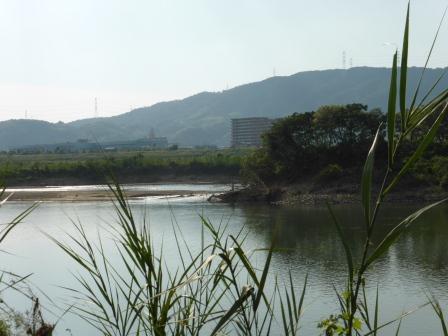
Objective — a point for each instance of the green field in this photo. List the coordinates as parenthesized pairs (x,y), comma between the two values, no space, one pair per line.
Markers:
(138,165)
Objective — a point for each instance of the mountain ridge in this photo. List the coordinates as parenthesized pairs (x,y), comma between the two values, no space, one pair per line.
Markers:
(204,118)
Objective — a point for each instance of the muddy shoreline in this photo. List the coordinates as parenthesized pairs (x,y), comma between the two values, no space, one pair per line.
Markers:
(299,194)
(294,195)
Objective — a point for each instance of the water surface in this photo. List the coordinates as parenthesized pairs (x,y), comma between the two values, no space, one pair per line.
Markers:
(418,263)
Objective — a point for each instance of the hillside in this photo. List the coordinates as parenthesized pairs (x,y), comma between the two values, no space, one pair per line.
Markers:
(205,118)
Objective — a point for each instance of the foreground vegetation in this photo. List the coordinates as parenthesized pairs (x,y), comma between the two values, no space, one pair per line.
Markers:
(221,289)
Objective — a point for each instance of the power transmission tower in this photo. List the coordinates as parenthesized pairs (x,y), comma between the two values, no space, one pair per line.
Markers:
(344,60)
(96,108)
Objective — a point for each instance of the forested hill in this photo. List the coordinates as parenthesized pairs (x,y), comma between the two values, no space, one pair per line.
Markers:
(205,118)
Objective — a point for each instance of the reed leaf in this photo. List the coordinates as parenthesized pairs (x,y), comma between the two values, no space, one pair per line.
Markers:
(367,177)
(375,318)
(403,73)
(439,312)
(237,305)
(391,110)
(396,232)
(414,99)
(401,317)
(348,253)
(424,143)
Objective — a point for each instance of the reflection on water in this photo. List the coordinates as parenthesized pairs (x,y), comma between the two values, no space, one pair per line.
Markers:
(417,263)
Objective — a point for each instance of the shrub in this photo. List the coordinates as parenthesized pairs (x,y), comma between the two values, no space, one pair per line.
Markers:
(329,173)
(4,329)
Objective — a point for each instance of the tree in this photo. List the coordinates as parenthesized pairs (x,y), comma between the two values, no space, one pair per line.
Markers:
(302,143)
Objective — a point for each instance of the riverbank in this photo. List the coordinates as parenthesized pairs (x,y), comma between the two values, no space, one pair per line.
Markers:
(131,179)
(309,194)
(219,192)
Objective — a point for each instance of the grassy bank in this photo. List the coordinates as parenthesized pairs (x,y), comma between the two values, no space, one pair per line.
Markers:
(144,166)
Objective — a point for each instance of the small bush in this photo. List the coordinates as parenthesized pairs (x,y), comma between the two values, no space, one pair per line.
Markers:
(329,173)
(4,329)
(444,182)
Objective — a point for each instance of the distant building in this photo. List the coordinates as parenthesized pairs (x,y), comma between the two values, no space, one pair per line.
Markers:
(83,145)
(246,132)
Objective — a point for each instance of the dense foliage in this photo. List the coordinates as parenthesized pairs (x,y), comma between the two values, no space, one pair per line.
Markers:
(327,143)
(303,144)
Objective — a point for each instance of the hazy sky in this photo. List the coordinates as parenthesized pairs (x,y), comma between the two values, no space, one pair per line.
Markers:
(57,55)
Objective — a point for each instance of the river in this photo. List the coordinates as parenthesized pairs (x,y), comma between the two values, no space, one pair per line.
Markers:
(416,265)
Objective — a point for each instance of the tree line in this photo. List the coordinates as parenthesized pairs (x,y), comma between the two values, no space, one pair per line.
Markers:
(332,140)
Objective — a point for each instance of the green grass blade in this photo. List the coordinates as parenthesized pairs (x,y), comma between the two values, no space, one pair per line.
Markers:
(302,295)
(402,316)
(5,231)
(391,109)
(420,115)
(414,99)
(426,141)
(235,307)
(375,318)
(348,253)
(404,73)
(293,297)
(396,232)
(397,332)
(438,310)
(250,270)
(260,290)
(431,90)
(284,320)
(366,181)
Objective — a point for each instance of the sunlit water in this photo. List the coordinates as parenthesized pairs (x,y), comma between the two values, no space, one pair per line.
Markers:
(205,187)
(416,265)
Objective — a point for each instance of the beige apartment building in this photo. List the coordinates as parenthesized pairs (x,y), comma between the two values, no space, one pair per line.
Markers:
(246,132)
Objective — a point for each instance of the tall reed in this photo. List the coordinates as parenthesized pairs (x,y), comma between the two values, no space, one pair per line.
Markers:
(218,289)
(422,106)
(13,322)
(215,289)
